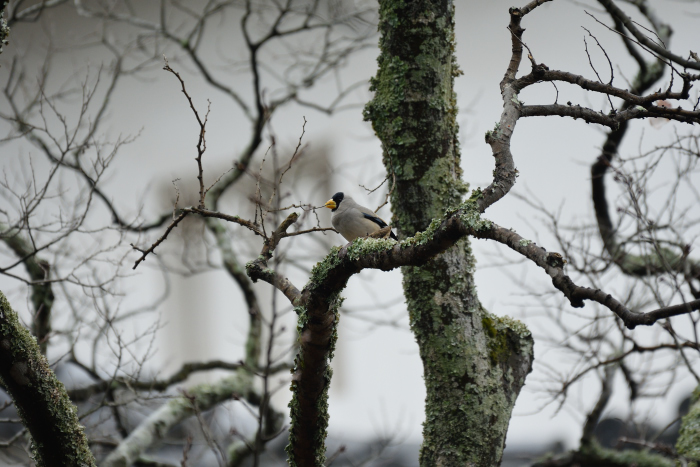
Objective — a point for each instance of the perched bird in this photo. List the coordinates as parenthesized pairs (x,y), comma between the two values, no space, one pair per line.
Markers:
(352,220)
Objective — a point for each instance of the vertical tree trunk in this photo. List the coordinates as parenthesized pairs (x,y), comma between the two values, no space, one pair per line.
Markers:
(474,363)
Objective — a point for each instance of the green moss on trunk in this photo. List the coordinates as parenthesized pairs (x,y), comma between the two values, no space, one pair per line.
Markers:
(474,363)
(688,444)
(58,438)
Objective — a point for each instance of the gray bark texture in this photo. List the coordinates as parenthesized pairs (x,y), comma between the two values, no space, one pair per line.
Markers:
(474,363)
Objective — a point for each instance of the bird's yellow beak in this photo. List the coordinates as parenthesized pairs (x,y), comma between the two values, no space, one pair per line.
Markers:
(330,204)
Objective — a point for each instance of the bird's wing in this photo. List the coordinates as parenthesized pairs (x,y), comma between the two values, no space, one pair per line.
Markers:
(375,219)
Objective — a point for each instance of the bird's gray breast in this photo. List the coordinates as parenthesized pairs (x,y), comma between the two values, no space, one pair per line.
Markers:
(351,224)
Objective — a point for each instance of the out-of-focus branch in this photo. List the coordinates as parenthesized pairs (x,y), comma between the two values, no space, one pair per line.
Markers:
(117,218)
(31,13)
(77,146)
(649,73)
(156,426)
(42,294)
(594,415)
(595,455)
(616,12)
(84,393)
(204,397)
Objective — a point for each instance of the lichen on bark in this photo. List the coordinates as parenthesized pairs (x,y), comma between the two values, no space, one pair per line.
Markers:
(41,400)
(688,444)
(317,326)
(474,363)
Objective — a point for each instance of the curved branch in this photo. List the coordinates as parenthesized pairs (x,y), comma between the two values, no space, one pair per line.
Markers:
(553,264)
(31,13)
(499,139)
(647,76)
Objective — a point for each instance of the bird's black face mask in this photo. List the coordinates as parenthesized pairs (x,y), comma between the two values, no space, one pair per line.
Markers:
(335,201)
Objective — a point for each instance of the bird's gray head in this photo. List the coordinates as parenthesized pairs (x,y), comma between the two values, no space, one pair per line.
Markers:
(335,201)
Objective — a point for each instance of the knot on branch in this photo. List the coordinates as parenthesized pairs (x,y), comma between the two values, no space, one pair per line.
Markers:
(273,240)
(539,69)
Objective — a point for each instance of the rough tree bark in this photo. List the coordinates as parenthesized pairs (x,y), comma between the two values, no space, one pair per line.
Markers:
(474,363)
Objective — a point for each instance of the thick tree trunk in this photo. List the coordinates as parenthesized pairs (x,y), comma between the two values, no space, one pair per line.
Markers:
(474,362)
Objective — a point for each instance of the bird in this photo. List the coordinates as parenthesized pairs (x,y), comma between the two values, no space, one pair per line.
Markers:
(352,220)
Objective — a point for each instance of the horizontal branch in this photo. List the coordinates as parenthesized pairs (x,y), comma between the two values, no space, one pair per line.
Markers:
(82,394)
(607,89)
(466,221)
(202,212)
(226,217)
(611,120)
(637,106)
